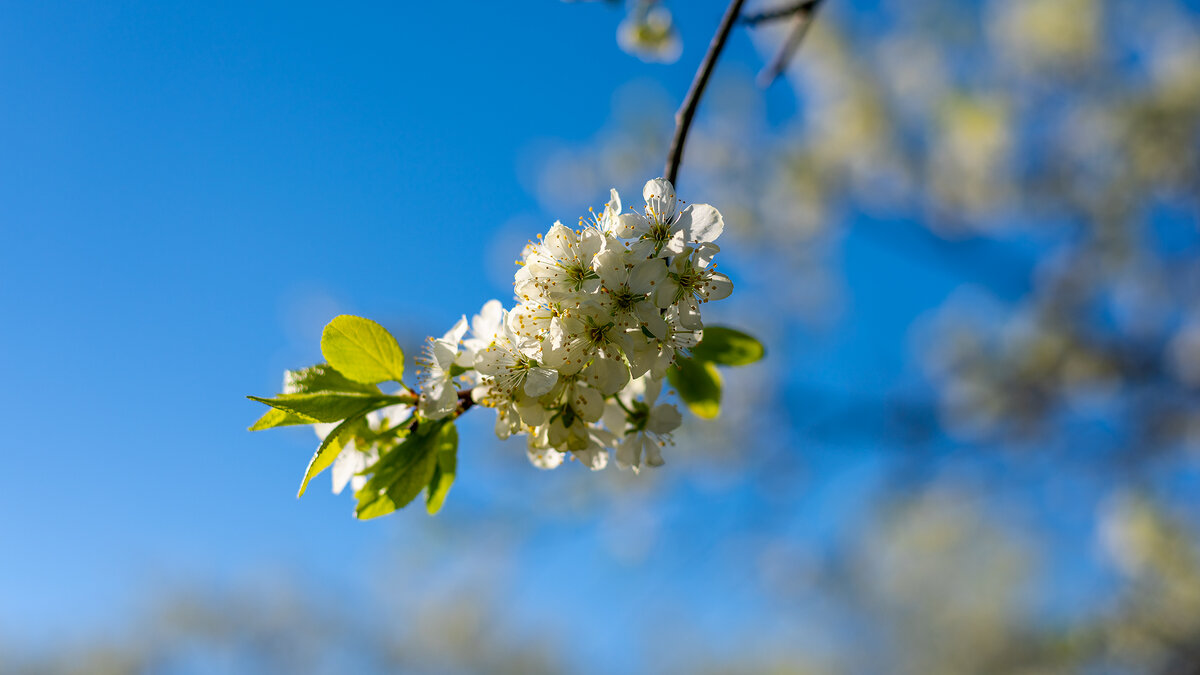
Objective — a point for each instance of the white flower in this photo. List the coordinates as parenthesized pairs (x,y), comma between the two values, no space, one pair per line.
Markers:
(562,264)
(646,426)
(510,368)
(648,32)
(628,286)
(655,356)
(514,410)
(691,282)
(531,319)
(609,220)
(576,338)
(438,396)
(543,458)
(485,326)
(662,231)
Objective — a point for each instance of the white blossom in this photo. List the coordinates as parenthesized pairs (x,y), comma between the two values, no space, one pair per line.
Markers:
(438,396)
(601,314)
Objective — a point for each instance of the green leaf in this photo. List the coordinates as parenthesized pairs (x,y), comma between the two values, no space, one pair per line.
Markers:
(445,445)
(322,377)
(728,347)
(362,350)
(330,448)
(279,418)
(400,475)
(329,406)
(699,386)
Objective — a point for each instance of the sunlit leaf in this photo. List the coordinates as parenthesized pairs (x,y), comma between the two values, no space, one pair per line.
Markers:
(280,418)
(401,474)
(323,377)
(330,448)
(328,406)
(728,347)
(362,350)
(446,449)
(699,386)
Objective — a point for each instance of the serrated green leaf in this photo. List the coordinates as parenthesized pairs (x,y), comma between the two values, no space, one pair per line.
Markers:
(330,448)
(699,386)
(445,446)
(322,377)
(400,475)
(728,347)
(362,350)
(279,418)
(329,406)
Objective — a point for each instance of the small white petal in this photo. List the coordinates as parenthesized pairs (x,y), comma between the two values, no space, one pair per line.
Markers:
(660,199)
(544,458)
(539,381)
(629,452)
(610,265)
(558,240)
(647,275)
(652,318)
(593,457)
(664,418)
(701,223)
(631,226)
(587,403)
(717,287)
(653,452)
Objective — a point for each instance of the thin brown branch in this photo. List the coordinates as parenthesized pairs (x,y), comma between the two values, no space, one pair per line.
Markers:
(802,20)
(687,111)
(778,12)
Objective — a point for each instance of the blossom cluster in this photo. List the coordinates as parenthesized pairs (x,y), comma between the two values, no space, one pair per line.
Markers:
(601,313)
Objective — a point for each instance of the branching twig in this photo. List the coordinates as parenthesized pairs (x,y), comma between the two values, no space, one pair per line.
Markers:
(778,12)
(804,13)
(683,118)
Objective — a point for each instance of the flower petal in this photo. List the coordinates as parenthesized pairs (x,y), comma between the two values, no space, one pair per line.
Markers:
(588,403)
(716,287)
(539,381)
(660,199)
(629,452)
(610,265)
(630,225)
(664,418)
(701,223)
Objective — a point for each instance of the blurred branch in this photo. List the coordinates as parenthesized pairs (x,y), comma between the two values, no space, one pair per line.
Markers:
(687,111)
(804,13)
(779,12)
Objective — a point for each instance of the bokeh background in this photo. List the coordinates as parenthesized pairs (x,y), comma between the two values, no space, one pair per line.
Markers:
(966,231)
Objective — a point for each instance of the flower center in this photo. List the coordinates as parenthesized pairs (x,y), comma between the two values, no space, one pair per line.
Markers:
(624,298)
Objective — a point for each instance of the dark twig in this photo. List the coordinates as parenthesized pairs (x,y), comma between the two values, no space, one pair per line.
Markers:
(803,13)
(683,118)
(778,12)
(464,401)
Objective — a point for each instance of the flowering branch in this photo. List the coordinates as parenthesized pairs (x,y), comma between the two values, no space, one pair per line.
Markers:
(683,118)
(804,13)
